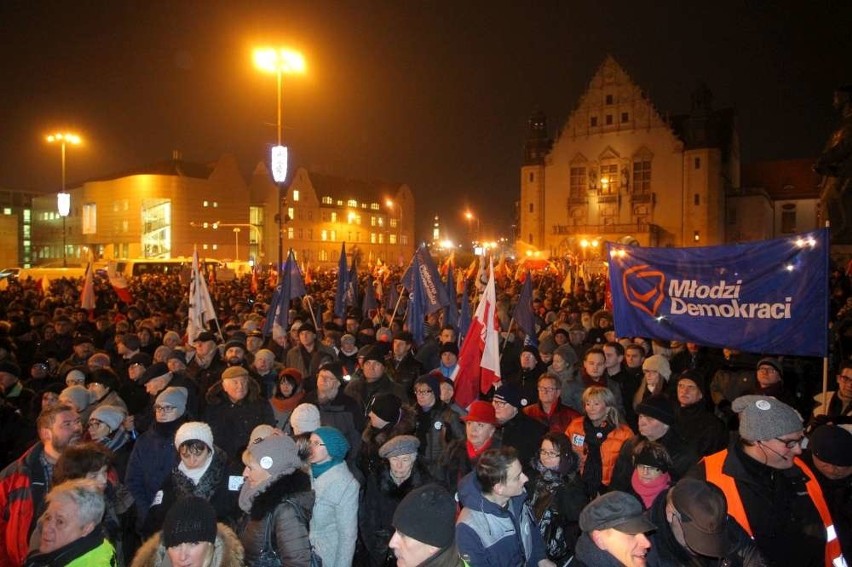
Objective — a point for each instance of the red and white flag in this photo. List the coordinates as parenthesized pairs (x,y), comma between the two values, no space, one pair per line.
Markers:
(479,357)
(201,308)
(119,284)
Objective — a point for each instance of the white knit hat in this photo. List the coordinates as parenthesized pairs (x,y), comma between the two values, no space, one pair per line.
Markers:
(305,419)
(194,431)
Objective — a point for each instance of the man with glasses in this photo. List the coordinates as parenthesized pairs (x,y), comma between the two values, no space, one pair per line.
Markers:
(770,491)
(435,426)
(836,407)
(517,429)
(549,410)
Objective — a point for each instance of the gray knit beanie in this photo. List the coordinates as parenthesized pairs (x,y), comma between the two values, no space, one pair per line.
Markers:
(764,417)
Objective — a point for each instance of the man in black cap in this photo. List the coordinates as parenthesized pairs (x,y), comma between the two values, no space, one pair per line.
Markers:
(613,533)
(526,381)
(517,429)
(13,391)
(206,367)
(700,427)
(449,355)
(770,381)
(374,381)
(829,456)
(772,493)
(656,423)
(403,367)
(425,529)
(694,529)
(83,347)
(309,355)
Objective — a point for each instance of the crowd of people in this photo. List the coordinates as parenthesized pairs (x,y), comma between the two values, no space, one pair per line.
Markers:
(337,437)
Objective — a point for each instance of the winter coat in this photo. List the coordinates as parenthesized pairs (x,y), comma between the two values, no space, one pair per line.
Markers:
(212,486)
(557,420)
(23,486)
(289,534)
(405,372)
(701,429)
(587,554)
(524,434)
(334,524)
(556,502)
(683,458)
(153,457)
(91,550)
(372,439)
(572,392)
(233,422)
(435,428)
(381,497)
(609,449)
(296,359)
(456,464)
(343,414)
(227,551)
(667,552)
(205,377)
(488,534)
(363,392)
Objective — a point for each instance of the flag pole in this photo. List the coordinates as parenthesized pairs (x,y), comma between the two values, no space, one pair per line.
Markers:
(399,299)
(825,358)
(506,338)
(309,300)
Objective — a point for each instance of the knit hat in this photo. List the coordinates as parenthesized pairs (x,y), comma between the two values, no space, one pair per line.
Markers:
(659,363)
(427,514)
(131,341)
(347,339)
(399,445)
(194,431)
(265,353)
(658,407)
(104,376)
(694,376)
(431,381)
(764,417)
(74,375)
(111,415)
(703,513)
(509,394)
(832,444)
(77,394)
(277,455)
(532,350)
(335,443)
(292,373)
(140,358)
(654,455)
(177,354)
(386,407)
(449,347)
(305,419)
(173,396)
(617,510)
(404,336)
(189,520)
(154,371)
(307,327)
(480,411)
(260,433)
(233,343)
(773,362)
(375,352)
(234,372)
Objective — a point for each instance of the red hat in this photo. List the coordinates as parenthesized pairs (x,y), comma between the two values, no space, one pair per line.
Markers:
(482,412)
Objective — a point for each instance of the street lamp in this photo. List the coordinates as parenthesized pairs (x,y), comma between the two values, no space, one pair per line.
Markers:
(236,244)
(63,199)
(279,61)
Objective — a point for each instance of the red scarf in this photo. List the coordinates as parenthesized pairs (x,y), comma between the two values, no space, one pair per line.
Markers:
(474,453)
(647,492)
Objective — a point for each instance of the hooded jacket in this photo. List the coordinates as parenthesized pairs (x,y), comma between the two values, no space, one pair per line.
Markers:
(23,487)
(488,534)
(227,551)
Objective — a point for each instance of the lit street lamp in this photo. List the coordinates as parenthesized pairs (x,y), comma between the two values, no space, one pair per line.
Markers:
(279,61)
(63,199)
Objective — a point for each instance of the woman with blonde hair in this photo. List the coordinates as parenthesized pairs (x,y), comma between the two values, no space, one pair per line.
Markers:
(597,438)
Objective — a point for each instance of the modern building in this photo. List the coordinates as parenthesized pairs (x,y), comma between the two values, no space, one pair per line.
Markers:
(166,209)
(16,227)
(620,170)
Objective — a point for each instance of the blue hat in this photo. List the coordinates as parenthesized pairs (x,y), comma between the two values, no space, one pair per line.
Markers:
(335,443)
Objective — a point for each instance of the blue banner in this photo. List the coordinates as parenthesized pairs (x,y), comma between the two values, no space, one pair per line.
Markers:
(432,294)
(767,297)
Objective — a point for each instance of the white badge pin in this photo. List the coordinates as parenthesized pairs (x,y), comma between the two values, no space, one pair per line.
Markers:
(266,462)
(763,405)
(437,425)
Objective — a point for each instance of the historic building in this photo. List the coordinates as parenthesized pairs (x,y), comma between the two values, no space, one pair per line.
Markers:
(165,209)
(619,170)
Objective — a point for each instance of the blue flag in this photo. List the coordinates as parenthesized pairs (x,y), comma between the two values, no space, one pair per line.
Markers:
(352,284)
(290,286)
(342,284)
(423,270)
(451,314)
(766,297)
(464,316)
(391,295)
(370,302)
(414,314)
(523,314)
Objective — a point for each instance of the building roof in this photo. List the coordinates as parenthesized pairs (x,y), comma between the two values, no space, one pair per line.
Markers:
(342,188)
(783,179)
(173,167)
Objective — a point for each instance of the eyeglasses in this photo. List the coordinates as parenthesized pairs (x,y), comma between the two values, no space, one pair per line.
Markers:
(316,443)
(544,389)
(545,453)
(790,443)
(844,378)
(165,409)
(499,403)
(648,469)
(422,392)
(194,450)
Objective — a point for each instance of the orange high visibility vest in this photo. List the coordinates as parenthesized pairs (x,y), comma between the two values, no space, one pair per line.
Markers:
(713,469)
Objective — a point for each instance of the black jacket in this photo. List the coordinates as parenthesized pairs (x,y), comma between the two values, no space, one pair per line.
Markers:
(232,423)
(702,430)
(524,434)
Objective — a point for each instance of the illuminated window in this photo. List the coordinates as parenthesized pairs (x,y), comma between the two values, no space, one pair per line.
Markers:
(333,217)
(27,231)
(204,203)
(372,221)
(381,221)
(215,247)
(90,218)
(327,201)
(204,247)
(372,238)
(291,212)
(392,239)
(381,238)
(394,223)
(333,236)
(290,233)
(27,215)
(295,195)
(403,239)
(351,203)
(7,211)
(215,204)
(339,203)
(323,235)
(609,179)
(374,206)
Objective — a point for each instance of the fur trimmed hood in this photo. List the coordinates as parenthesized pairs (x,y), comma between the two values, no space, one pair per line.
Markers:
(228,551)
(296,486)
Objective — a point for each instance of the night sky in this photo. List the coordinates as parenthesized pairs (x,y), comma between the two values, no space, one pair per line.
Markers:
(434,94)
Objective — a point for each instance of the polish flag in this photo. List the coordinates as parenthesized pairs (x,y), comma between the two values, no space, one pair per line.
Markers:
(479,358)
(119,284)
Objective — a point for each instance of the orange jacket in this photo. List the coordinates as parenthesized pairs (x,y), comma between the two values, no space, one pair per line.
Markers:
(713,465)
(17,506)
(609,448)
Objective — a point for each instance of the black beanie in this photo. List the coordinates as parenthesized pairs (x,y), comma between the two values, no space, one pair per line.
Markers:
(428,515)
(658,407)
(190,519)
(386,407)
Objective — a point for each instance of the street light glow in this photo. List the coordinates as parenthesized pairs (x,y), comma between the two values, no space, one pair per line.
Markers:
(281,60)
(64,137)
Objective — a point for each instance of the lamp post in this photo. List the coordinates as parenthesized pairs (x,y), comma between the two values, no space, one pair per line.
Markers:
(254,227)
(63,199)
(236,244)
(279,61)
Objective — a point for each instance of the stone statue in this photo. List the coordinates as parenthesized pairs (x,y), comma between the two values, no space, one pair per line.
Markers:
(835,165)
